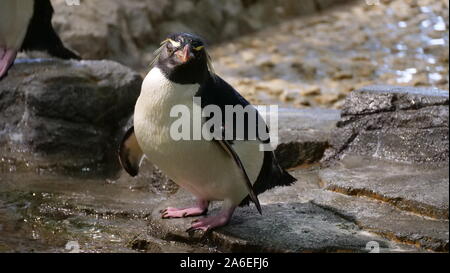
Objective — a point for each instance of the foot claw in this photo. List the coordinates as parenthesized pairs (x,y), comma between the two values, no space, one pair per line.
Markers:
(189,229)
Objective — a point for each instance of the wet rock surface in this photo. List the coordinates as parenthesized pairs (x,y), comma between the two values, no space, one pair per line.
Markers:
(396,123)
(64,114)
(283,227)
(372,214)
(129,31)
(60,213)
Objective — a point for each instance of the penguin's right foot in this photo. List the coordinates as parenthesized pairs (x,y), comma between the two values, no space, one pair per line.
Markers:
(212,222)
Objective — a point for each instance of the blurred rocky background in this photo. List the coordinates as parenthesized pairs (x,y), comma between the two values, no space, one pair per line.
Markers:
(363,124)
(302,53)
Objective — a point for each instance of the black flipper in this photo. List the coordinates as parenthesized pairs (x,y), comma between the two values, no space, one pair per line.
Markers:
(216,91)
(130,153)
(229,149)
(41,35)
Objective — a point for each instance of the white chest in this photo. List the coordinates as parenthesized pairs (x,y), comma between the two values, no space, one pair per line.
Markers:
(158,97)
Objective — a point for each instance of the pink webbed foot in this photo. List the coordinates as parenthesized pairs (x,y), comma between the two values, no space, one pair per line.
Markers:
(7,57)
(200,209)
(211,222)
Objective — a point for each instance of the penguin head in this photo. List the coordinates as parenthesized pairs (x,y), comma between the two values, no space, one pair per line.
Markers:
(183,59)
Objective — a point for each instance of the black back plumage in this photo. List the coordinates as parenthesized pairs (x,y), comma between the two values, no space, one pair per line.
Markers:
(214,90)
(41,35)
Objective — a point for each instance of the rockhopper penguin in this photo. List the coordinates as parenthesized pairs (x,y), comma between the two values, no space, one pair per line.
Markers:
(26,25)
(234,171)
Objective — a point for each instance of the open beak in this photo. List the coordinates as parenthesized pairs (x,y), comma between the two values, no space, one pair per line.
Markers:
(185,54)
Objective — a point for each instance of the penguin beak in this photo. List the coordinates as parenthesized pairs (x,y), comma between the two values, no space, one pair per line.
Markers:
(185,54)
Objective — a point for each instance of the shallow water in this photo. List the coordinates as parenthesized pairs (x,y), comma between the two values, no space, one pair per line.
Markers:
(57,213)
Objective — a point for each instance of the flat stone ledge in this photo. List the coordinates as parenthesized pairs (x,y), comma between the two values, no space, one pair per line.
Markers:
(412,232)
(283,227)
(410,188)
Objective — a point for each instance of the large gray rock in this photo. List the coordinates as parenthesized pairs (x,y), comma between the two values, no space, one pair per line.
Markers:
(64,114)
(387,169)
(128,31)
(396,123)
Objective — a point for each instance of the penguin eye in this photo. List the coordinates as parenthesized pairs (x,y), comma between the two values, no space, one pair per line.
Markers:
(170,48)
(171,45)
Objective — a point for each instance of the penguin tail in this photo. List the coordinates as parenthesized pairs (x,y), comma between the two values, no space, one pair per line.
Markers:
(271,175)
(286,179)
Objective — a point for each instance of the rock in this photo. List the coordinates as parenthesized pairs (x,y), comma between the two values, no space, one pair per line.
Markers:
(395,123)
(342,75)
(402,9)
(389,164)
(303,135)
(327,99)
(299,227)
(65,114)
(288,95)
(311,91)
(381,218)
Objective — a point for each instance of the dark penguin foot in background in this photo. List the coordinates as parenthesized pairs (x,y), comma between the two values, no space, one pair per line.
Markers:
(41,35)
(7,57)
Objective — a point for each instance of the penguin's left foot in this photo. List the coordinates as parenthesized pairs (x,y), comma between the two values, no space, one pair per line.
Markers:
(211,222)
(7,57)
(200,209)
(180,213)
